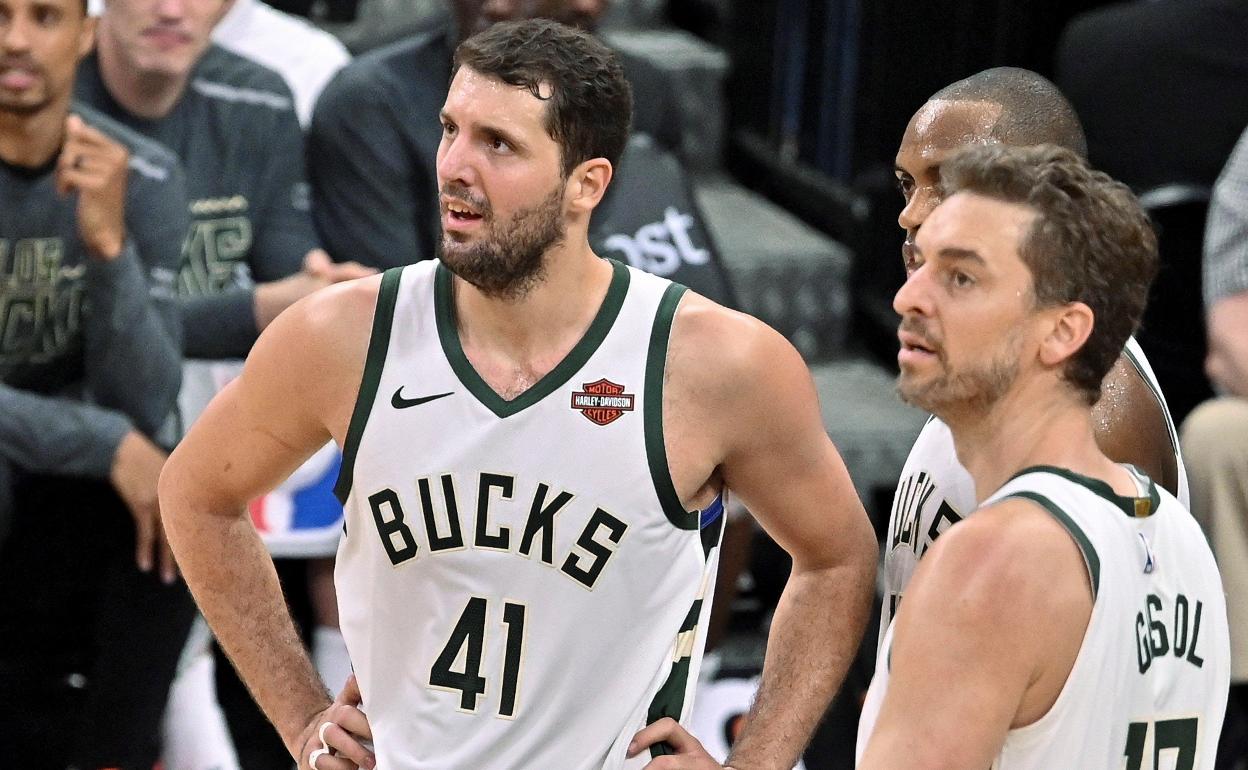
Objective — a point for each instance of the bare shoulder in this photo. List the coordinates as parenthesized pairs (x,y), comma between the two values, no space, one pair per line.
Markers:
(1009,558)
(319,344)
(1131,427)
(1002,545)
(729,348)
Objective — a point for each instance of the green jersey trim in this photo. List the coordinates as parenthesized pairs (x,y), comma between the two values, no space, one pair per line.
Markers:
(378,345)
(1133,507)
(669,701)
(656,450)
(448,334)
(1090,558)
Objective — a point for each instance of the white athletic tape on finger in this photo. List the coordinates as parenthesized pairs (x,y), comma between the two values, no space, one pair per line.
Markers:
(324,749)
(314,756)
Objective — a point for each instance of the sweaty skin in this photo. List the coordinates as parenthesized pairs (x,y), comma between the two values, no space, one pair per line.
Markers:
(1128,422)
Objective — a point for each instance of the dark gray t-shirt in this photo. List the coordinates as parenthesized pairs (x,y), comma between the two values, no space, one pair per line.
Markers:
(238,138)
(87,349)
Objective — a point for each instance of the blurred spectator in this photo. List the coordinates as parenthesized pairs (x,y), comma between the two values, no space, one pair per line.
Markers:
(306,57)
(91,226)
(1215,436)
(1159,87)
(375,135)
(251,249)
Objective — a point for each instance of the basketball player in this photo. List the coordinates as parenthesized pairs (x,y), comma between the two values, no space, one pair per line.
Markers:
(1012,107)
(535,444)
(1077,619)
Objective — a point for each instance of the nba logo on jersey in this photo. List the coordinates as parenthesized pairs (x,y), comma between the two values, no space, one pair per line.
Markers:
(602,402)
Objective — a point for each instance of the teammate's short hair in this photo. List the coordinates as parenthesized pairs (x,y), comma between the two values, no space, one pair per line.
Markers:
(590,101)
(1033,109)
(1091,242)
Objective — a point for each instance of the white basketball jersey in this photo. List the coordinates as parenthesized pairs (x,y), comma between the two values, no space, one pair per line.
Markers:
(519,586)
(1148,689)
(935,492)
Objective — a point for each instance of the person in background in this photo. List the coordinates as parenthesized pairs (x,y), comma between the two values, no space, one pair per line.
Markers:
(1215,435)
(251,249)
(305,56)
(92,221)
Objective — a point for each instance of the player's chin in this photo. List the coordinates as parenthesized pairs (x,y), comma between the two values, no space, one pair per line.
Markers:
(914,389)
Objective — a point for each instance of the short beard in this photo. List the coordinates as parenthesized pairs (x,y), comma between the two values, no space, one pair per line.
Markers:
(509,260)
(976,389)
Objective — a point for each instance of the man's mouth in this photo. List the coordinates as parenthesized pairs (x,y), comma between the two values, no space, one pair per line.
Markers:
(915,348)
(461,212)
(166,38)
(17,78)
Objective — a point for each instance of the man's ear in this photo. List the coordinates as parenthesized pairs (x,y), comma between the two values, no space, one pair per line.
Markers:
(588,183)
(86,38)
(1071,325)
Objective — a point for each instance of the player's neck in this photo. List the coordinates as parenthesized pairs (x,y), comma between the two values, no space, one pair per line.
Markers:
(147,95)
(1028,427)
(540,327)
(31,140)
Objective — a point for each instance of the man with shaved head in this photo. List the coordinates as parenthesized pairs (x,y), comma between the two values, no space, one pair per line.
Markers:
(1012,107)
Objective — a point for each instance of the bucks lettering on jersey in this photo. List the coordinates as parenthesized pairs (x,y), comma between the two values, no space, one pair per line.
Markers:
(519,584)
(936,492)
(1149,686)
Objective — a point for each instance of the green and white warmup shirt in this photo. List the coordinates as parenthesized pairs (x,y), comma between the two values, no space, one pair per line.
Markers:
(935,492)
(1148,689)
(519,586)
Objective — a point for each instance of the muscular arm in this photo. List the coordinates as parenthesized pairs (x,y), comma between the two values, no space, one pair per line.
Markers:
(778,459)
(1227,363)
(1130,425)
(968,662)
(250,438)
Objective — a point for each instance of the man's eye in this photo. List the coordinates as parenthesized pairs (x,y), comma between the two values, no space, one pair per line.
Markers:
(905,185)
(499,145)
(448,128)
(960,280)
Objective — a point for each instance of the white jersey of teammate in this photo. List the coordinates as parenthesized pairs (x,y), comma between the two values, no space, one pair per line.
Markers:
(1148,688)
(519,585)
(935,492)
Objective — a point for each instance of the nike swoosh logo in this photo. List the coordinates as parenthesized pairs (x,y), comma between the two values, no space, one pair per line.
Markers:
(398,402)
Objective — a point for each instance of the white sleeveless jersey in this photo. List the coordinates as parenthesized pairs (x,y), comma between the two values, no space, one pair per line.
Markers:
(1149,686)
(519,586)
(935,491)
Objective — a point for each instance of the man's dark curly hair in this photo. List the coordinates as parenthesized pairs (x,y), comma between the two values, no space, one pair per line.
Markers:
(1091,242)
(590,101)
